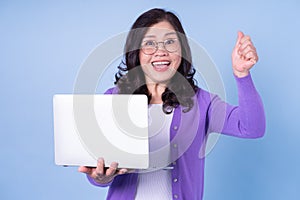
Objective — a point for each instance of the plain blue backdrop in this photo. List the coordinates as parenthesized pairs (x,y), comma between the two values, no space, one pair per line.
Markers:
(43,44)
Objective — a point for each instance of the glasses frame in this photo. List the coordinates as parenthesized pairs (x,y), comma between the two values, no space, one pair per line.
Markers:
(157,43)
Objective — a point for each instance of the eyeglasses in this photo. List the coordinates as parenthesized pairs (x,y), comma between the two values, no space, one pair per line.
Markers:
(149,47)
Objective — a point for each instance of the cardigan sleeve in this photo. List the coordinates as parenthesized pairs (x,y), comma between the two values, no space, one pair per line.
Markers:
(93,182)
(246,120)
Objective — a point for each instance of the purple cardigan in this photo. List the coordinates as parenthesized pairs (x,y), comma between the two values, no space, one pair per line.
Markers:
(188,133)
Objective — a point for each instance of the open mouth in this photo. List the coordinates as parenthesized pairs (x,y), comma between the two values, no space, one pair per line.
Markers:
(161,65)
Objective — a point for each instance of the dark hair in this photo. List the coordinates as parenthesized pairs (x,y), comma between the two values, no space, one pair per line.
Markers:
(130,78)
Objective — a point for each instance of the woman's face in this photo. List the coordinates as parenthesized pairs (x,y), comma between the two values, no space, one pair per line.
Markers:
(160,53)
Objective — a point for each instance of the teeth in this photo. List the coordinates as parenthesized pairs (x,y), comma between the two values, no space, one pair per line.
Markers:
(161,63)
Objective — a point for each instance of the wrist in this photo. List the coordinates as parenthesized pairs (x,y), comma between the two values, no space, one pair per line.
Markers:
(106,180)
(97,183)
(240,74)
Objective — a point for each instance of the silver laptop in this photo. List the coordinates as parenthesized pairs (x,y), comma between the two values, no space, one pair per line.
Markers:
(87,127)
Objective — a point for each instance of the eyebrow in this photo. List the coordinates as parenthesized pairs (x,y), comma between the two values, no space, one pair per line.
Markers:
(167,34)
(171,33)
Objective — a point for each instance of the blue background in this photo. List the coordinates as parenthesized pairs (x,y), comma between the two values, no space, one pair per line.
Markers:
(43,44)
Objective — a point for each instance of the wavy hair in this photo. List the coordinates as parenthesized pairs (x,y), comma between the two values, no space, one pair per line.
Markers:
(130,78)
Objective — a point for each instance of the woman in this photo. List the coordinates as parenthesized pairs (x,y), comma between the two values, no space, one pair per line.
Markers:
(158,64)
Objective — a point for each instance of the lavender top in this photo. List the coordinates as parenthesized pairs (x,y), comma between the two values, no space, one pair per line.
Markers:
(188,133)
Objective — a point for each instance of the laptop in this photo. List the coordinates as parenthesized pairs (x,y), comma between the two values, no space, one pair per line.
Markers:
(87,127)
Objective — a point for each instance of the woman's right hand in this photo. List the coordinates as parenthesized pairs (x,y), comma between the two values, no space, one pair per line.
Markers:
(102,174)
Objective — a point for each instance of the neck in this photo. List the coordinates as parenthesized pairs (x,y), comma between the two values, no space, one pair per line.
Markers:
(156,90)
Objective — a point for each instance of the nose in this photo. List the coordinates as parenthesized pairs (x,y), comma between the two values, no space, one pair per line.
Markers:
(161,50)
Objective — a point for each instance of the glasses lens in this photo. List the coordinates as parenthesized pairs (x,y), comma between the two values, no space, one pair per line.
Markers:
(149,47)
(171,45)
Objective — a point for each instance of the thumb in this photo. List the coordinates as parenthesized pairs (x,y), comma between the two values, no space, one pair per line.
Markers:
(240,36)
(85,170)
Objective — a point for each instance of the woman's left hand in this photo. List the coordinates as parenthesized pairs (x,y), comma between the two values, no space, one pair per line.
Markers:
(244,55)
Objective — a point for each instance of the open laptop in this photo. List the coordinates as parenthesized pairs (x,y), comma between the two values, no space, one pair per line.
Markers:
(114,127)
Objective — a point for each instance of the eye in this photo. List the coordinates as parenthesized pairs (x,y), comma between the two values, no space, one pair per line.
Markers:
(149,43)
(170,41)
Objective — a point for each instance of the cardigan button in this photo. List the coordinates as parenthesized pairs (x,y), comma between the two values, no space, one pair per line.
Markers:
(175,145)
(175,128)
(175,196)
(175,180)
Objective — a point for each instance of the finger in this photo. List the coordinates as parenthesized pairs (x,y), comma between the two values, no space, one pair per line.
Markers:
(250,63)
(100,166)
(86,170)
(132,171)
(123,171)
(112,169)
(245,45)
(254,58)
(253,61)
(239,37)
(248,49)
(250,55)
(245,38)
(126,171)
